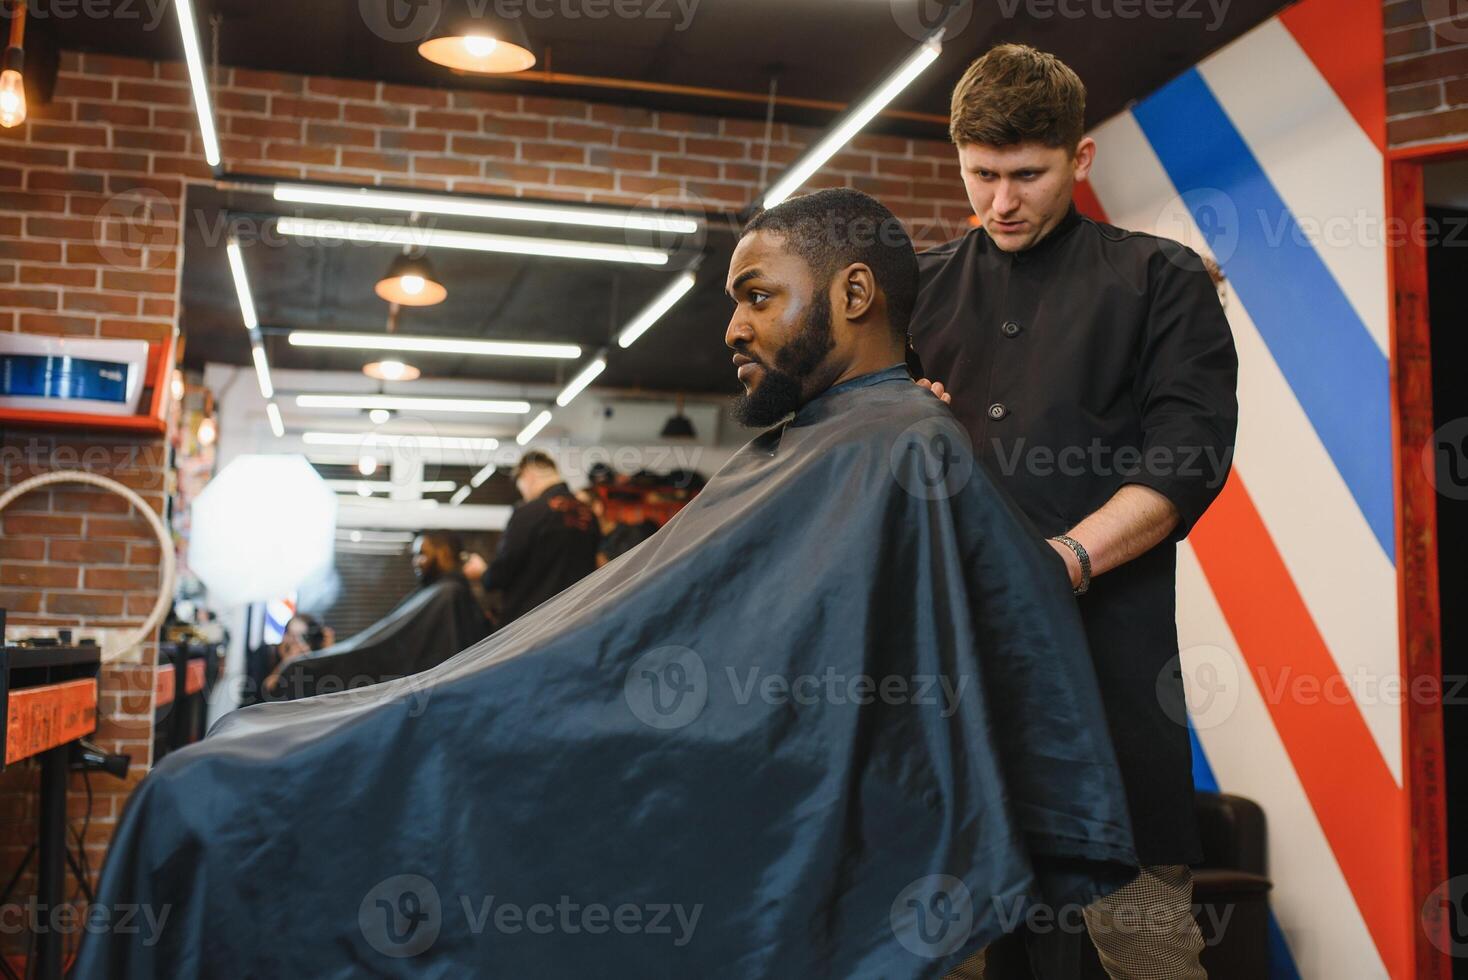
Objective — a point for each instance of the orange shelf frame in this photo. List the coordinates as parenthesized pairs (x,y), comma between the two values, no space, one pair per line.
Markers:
(153,420)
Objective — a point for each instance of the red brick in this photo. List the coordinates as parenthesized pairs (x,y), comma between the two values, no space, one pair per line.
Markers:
(621,161)
(377,115)
(142,282)
(290,105)
(59,276)
(685,123)
(90,552)
(1406,42)
(1403,13)
(34,299)
(342,88)
(463,122)
(492,101)
(182,120)
(877,143)
(19,601)
(185,166)
(552,152)
(686,167)
(595,179)
(535,129)
(102,160)
(135,330)
(144,554)
(483,147)
(106,64)
(263,128)
(326,133)
(751,129)
(730,193)
(38,576)
(169,187)
(229,100)
(392,139)
(1426,67)
(113,114)
(723,149)
(584,133)
(369,160)
(121,579)
(563,108)
(56,180)
(99,302)
(108,527)
(322,155)
(1455,92)
(273,81)
(1418,98)
(42,525)
(23,549)
(33,156)
(84,604)
(516,173)
(32,202)
(58,326)
(445,167)
(622,116)
(413,95)
(71,134)
(658,142)
(31,251)
(81,87)
(1436,125)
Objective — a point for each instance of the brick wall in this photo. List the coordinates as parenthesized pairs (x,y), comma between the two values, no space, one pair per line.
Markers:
(1426,71)
(91,204)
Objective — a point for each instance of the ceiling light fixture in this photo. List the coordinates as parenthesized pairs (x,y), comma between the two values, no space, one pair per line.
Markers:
(480,42)
(410,282)
(853,122)
(484,406)
(661,304)
(410,440)
(262,372)
(195,62)
(241,284)
(477,480)
(12,83)
(468,207)
(475,241)
(578,384)
(277,426)
(367,465)
(379,416)
(431,345)
(390,370)
(533,429)
(460,495)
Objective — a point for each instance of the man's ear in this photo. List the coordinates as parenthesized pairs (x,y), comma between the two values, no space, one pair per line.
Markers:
(859,290)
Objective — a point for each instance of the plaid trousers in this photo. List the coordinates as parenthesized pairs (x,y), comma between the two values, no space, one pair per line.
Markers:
(1142,931)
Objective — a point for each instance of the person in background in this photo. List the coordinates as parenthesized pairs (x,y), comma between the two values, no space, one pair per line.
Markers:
(617,537)
(549,544)
(303,634)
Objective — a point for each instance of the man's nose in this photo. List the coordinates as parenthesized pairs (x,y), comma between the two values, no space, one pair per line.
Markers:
(739,333)
(1005,200)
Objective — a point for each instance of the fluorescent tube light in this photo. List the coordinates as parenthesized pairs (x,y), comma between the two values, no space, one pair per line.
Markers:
(195,61)
(418,237)
(533,429)
(578,384)
(405,403)
(241,284)
(654,310)
(466,207)
(853,122)
(431,345)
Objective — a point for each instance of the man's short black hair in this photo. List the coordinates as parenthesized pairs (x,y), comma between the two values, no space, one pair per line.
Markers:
(447,540)
(832,229)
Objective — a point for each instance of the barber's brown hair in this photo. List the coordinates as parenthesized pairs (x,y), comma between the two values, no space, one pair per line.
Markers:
(1014,94)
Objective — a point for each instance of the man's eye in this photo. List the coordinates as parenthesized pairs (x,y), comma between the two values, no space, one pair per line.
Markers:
(757,296)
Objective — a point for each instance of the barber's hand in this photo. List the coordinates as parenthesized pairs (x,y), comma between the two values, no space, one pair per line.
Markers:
(475,567)
(936,387)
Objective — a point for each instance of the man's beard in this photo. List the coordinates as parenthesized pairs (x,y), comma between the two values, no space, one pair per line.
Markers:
(779,392)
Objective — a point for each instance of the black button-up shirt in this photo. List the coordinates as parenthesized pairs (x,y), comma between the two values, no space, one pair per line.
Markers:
(1095,359)
(548,546)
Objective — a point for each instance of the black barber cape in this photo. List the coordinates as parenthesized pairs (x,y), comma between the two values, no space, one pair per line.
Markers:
(428,627)
(1097,358)
(728,754)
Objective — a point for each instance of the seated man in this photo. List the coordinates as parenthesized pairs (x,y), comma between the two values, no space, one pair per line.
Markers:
(430,625)
(836,719)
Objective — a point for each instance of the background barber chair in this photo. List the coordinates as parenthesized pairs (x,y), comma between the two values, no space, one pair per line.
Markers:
(1230,888)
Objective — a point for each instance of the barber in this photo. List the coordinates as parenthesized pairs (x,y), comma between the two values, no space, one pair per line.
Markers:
(1096,374)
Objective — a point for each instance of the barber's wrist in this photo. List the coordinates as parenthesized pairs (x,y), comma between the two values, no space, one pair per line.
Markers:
(1077,562)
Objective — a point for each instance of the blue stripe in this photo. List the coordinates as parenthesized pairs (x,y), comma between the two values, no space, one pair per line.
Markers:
(1281,961)
(1338,374)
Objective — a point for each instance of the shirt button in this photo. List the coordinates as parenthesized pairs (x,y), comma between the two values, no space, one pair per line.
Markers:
(997,411)
(1010,329)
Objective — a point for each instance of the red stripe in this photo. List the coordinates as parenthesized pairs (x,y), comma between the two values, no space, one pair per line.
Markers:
(1345,41)
(1087,202)
(1354,796)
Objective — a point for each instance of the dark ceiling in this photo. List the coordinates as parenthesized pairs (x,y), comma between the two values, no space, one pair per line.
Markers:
(830,50)
(317,285)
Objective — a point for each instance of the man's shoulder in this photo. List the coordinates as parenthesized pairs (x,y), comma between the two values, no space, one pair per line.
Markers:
(1143,246)
(940,255)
